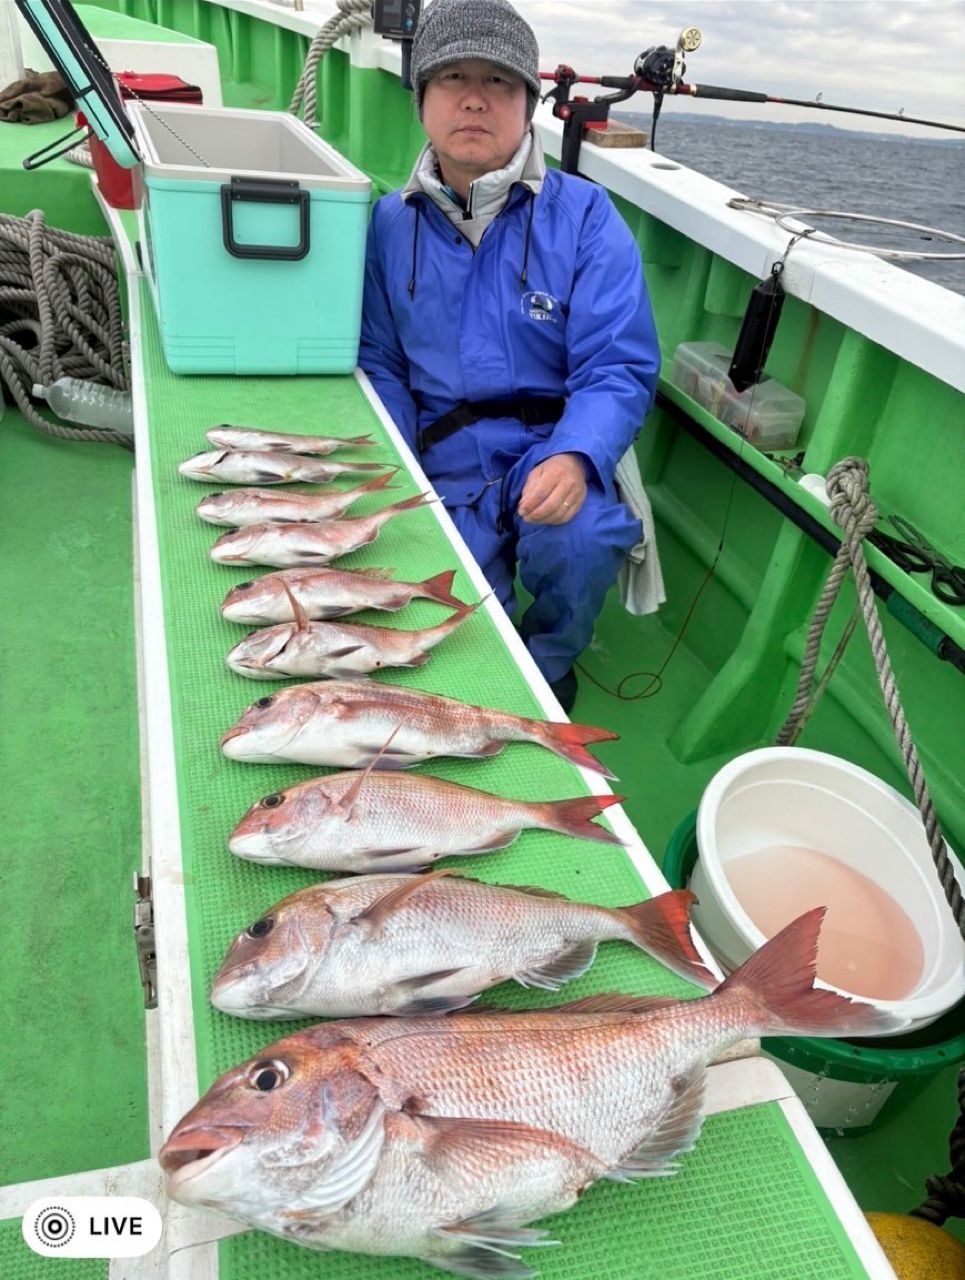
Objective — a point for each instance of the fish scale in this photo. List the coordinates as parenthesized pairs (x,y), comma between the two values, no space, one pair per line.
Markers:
(404,944)
(441,1138)
(397,821)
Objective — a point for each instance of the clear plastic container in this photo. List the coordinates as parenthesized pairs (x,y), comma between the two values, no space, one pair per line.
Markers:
(768,414)
(90,403)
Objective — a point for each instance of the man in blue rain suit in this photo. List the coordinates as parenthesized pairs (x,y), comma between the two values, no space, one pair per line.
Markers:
(507,328)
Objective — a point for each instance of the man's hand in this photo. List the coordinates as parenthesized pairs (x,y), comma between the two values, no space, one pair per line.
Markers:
(554,491)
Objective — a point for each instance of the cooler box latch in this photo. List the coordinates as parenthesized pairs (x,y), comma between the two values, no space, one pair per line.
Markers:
(265,191)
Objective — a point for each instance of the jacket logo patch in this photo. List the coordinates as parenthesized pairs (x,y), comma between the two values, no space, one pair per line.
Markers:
(539,306)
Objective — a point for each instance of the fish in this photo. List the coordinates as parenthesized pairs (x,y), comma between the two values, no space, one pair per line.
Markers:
(246,466)
(343,723)
(442,1139)
(287,545)
(324,593)
(369,821)
(228,437)
(239,507)
(429,944)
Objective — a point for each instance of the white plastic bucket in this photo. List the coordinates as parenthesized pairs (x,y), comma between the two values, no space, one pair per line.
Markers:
(782,796)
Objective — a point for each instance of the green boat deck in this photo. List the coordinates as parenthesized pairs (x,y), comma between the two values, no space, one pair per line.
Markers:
(69,983)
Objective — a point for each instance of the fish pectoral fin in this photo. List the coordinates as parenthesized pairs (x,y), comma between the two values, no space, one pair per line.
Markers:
(675,1134)
(552,974)
(469,1150)
(423,1003)
(427,1006)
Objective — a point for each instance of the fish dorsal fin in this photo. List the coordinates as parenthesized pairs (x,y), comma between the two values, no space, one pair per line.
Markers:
(298,611)
(348,801)
(537,891)
(375,915)
(382,575)
(676,1132)
(615,1002)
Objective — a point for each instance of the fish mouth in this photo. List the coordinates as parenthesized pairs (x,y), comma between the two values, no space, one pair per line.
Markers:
(187,1154)
(252,847)
(236,731)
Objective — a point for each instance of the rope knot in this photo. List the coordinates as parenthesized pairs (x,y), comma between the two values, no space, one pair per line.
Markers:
(852,506)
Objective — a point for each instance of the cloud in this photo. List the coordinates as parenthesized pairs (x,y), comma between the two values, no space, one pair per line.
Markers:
(882,55)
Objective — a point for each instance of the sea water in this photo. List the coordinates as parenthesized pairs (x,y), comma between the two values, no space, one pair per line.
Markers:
(868,944)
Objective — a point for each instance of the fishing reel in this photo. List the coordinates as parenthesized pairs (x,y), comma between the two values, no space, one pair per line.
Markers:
(657,70)
(664,68)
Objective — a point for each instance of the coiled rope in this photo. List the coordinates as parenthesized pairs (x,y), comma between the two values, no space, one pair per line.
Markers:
(353,15)
(946,1196)
(855,513)
(61,291)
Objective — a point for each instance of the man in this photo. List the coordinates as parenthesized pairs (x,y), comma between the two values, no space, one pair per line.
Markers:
(506,326)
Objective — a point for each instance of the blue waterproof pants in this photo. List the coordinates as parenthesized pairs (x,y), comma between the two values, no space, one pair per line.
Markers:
(566,568)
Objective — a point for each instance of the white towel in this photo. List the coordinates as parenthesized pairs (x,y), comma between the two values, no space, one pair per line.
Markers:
(640,580)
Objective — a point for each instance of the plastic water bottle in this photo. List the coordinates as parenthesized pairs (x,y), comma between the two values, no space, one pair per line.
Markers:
(90,404)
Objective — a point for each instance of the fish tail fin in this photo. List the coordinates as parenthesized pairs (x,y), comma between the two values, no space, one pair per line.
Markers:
(407,504)
(778,981)
(378,482)
(661,927)
(439,589)
(367,439)
(575,817)
(571,740)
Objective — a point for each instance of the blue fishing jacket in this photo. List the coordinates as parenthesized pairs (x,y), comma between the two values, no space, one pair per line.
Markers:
(552,303)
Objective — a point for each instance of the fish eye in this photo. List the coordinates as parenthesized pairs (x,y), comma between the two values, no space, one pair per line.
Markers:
(244,586)
(268,1074)
(265,702)
(261,928)
(274,800)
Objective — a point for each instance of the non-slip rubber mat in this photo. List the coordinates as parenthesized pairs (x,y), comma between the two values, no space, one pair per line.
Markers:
(616,1231)
(19,1262)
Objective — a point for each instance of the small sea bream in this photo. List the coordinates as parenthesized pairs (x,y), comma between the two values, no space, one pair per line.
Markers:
(239,507)
(336,649)
(289,545)
(324,593)
(228,437)
(345,724)
(246,466)
(443,1138)
(401,944)
(368,821)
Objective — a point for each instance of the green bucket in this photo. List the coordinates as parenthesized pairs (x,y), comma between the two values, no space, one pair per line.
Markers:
(847,1087)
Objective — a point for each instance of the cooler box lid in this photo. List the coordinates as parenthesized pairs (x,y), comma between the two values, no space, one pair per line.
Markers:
(77,58)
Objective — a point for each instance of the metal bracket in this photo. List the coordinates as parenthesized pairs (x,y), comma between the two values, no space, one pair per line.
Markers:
(144,938)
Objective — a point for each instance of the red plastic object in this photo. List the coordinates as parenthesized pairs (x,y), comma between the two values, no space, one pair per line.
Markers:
(115,182)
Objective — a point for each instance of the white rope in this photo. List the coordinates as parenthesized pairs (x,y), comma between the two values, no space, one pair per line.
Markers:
(353,15)
(783,213)
(855,514)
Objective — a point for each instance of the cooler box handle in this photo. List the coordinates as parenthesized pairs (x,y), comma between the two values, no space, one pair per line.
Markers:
(265,191)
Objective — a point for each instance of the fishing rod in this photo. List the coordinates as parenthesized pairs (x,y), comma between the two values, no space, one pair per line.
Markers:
(660,70)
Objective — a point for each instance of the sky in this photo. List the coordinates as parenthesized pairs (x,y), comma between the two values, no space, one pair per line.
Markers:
(880,54)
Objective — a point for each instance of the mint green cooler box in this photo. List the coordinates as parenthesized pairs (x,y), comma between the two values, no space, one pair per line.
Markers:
(252,230)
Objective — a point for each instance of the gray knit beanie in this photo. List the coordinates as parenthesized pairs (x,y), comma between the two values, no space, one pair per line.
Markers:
(490,30)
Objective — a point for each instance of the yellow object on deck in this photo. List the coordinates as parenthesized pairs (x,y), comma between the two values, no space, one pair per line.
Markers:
(918,1250)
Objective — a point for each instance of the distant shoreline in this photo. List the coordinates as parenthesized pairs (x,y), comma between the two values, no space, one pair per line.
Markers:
(641,120)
